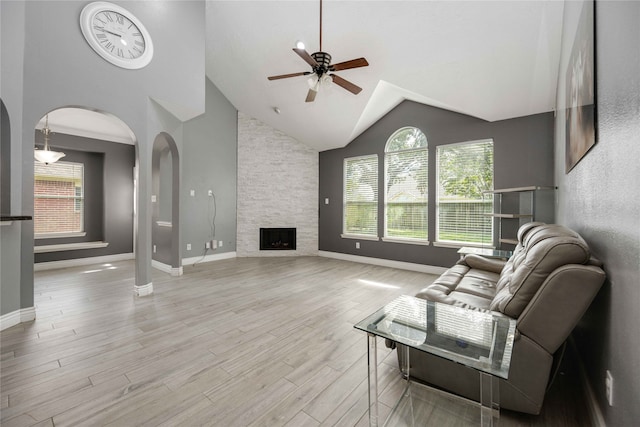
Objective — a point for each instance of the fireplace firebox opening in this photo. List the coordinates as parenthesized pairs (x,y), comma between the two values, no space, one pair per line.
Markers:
(277,239)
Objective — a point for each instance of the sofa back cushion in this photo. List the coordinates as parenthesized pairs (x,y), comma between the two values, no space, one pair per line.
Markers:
(541,249)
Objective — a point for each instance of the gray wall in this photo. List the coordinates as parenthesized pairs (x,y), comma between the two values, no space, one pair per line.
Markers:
(600,198)
(523,155)
(210,163)
(108,195)
(16,280)
(278,188)
(47,32)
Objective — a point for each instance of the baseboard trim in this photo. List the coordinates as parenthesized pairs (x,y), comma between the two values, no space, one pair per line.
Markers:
(16,317)
(593,407)
(143,290)
(422,268)
(78,262)
(208,258)
(174,271)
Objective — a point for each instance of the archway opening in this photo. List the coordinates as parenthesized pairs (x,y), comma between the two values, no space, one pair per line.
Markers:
(165,228)
(85,203)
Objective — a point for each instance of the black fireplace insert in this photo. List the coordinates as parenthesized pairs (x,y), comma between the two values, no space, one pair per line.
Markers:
(277,239)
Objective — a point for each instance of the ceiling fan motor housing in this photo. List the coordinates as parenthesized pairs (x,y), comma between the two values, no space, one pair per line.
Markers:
(323,59)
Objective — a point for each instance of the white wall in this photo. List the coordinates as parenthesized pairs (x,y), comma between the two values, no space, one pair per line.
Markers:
(277,187)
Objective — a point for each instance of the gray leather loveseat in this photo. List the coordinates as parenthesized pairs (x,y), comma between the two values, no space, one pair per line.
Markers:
(547,285)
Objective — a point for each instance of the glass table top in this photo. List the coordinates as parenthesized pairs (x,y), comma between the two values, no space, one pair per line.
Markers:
(479,339)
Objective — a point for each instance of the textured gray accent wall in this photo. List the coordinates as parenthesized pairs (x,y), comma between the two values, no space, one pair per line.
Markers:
(600,198)
(523,155)
(277,187)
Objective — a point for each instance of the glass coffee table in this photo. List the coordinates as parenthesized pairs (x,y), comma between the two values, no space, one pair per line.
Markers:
(481,340)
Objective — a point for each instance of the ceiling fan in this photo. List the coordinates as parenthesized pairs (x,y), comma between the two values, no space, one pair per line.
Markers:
(321,67)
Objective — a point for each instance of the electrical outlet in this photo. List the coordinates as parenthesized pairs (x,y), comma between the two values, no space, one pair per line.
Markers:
(357,245)
(220,244)
(210,193)
(326,200)
(188,246)
(207,245)
(154,249)
(214,244)
(192,193)
(609,387)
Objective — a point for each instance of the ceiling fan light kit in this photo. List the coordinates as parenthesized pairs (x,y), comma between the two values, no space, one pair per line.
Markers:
(321,66)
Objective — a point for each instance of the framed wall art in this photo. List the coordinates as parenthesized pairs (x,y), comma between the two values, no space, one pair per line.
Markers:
(580,88)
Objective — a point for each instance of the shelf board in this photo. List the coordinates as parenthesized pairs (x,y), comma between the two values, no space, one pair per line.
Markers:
(518,189)
(509,241)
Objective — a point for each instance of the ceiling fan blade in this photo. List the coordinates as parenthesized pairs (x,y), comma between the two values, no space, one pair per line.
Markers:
(354,63)
(346,84)
(284,76)
(305,55)
(311,95)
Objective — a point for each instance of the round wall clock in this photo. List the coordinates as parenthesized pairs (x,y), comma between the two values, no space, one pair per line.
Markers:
(116,35)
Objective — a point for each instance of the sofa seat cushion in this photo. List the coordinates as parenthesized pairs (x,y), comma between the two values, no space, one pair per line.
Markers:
(462,286)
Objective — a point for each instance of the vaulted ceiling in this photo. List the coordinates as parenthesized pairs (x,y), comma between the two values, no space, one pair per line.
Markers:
(489,59)
(493,60)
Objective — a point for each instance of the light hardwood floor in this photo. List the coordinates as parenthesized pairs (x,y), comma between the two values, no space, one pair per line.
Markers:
(240,342)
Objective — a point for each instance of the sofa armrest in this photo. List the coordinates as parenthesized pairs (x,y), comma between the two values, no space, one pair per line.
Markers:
(482,263)
(559,304)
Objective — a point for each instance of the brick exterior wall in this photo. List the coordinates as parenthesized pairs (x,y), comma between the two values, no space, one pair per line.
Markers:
(277,187)
(55,215)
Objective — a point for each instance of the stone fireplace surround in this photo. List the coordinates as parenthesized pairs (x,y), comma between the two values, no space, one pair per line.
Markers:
(271,198)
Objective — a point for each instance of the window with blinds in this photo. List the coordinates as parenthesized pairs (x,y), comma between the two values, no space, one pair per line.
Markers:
(406,185)
(464,171)
(58,198)
(361,196)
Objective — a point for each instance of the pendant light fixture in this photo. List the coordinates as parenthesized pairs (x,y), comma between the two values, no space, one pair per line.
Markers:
(46,155)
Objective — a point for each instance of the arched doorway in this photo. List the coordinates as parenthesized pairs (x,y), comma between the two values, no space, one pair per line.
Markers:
(95,216)
(165,198)
(5,161)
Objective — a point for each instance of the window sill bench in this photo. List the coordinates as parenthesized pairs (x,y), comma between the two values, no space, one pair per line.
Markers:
(69,247)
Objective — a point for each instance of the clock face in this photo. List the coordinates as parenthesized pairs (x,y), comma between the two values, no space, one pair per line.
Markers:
(116,35)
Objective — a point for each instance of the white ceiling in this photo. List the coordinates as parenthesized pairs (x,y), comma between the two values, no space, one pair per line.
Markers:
(490,59)
(87,123)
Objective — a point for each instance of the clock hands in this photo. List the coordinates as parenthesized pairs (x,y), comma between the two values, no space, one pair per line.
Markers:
(122,40)
(107,31)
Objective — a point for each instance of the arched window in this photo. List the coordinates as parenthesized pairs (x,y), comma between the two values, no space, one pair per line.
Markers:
(406,185)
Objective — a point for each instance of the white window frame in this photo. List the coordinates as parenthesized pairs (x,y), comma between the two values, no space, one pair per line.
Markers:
(387,154)
(350,235)
(452,243)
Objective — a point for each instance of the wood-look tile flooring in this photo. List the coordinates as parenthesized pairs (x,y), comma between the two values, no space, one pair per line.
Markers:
(240,342)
